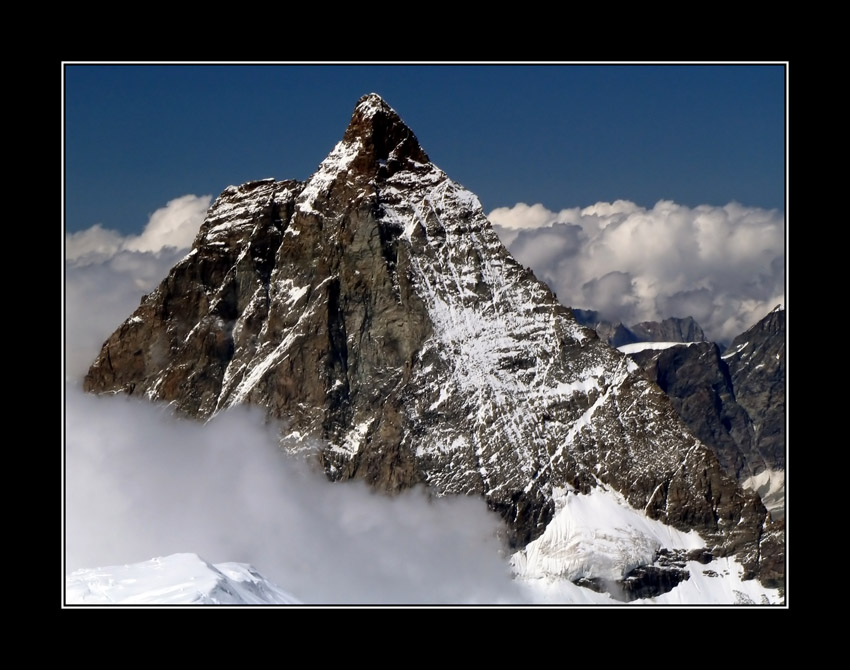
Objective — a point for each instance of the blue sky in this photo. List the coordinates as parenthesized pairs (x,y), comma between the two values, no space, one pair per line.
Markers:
(564,136)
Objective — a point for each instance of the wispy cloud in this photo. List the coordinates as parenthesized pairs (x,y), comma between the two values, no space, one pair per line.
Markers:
(106,273)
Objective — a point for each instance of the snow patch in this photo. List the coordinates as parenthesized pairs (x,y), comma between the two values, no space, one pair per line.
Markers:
(337,162)
(179,579)
(770,485)
(717,583)
(643,346)
(354,438)
(598,535)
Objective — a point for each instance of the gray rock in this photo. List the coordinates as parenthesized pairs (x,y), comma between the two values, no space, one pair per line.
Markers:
(756,360)
(669,330)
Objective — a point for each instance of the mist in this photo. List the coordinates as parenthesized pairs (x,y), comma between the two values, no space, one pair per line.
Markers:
(141,483)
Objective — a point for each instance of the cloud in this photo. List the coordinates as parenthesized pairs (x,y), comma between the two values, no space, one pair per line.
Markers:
(725,266)
(174,225)
(141,483)
(96,242)
(609,292)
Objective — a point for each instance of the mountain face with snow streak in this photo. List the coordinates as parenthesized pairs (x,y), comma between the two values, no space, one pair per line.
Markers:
(735,404)
(374,307)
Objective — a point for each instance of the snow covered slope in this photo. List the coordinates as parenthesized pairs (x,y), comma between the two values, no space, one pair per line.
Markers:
(179,579)
(600,542)
(655,346)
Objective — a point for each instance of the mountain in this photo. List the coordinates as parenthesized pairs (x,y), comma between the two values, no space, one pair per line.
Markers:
(735,404)
(669,330)
(698,382)
(373,306)
(179,579)
(673,329)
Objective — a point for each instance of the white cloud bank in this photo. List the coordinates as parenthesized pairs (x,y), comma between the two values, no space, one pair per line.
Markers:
(725,266)
(174,225)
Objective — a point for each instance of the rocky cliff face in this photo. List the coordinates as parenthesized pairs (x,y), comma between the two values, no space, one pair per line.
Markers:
(673,329)
(373,306)
(669,330)
(698,383)
(733,402)
(756,360)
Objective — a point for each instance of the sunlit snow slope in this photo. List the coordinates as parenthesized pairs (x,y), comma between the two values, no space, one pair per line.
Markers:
(179,579)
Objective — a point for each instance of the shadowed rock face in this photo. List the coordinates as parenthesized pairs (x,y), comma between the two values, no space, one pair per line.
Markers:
(698,383)
(669,330)
(756,360)
(374,307)
(673,329)
(734,403)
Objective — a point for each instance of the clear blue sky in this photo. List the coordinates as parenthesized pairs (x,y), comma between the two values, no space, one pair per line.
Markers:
(561,135)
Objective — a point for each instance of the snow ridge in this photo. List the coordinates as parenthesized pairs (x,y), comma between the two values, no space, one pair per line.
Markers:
(179,579)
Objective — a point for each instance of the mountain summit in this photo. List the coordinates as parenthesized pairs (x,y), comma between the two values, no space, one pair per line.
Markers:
(374,307)
(382,135)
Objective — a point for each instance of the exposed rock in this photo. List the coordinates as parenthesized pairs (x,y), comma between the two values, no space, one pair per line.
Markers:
(373,306)
(735,402)
(616,334)
(756,360)
(669,330)
(698,383)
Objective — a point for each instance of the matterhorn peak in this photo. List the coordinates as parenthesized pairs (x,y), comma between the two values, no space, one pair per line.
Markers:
(383,137)
(375,312)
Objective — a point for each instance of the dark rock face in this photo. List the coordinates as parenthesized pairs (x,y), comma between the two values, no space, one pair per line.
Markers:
(735,402)
(373,306)
(651,581)
(669,330)
(616,334)
(772,550)
(756,360)
(668,570)
(698,383)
